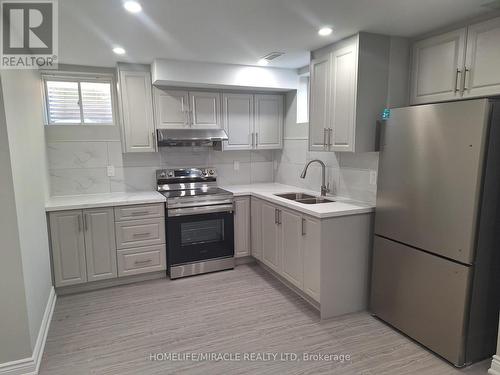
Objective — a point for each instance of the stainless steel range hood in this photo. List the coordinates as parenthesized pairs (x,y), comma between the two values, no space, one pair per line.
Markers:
(191,137)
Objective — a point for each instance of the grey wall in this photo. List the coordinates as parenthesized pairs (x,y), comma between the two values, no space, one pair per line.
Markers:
(348,173)
(23,110)
(14,329)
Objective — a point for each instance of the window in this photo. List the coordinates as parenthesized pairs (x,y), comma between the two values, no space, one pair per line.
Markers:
(84,100)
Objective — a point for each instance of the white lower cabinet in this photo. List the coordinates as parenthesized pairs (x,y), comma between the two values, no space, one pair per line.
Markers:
(84,243)
(100,244)
(256,227)
(291,245)
(68,248)
(241,227)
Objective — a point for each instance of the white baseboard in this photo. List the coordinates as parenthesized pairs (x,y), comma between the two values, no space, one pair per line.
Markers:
(31,365)
(495,366)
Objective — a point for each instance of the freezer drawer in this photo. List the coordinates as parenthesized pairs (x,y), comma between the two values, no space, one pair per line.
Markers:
(422,295)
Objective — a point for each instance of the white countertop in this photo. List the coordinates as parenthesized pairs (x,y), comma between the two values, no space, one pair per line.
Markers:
(341,206)
(75,202)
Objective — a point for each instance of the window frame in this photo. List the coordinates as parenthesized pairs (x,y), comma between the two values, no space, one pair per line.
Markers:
(79,77)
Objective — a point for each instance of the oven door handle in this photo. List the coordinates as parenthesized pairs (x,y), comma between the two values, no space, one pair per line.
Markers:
(199,210)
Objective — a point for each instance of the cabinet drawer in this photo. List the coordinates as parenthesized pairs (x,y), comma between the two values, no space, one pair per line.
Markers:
(142,260)
(143,211)
(135,233)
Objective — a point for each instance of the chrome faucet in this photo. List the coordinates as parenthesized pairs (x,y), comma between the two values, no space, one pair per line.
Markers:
(324,187)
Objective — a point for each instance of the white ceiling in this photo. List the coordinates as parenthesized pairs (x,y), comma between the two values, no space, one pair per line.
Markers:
(238,31)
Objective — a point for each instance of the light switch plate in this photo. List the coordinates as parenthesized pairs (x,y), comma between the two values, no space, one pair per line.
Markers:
(111,171)
(236,165)
(373,177)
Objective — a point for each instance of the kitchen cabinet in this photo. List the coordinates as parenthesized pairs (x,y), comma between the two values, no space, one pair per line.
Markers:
(241,226)
(172,109)
(311,255)
(180,109)
(104,243)
(238,119)
(256,227)
(68,247)
(136,108)
(253,122)
(349,81)
(268,121)
(437,67)
(459,64)
(291,246)
(100,245)
(270,236)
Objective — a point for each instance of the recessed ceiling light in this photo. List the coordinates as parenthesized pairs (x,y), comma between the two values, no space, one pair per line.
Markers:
(132,6)
(263,62)
(325,31)
(119,50)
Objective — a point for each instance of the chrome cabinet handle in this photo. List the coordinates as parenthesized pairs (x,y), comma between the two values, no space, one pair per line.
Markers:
(330,133)
(137,262)
(85,227)
(137,213)
(303,227)
(457,86)
(79,223)
(467,70)
(256,139)
(253,139)
(141,234)
(324,137)
(279,217)
(275,216)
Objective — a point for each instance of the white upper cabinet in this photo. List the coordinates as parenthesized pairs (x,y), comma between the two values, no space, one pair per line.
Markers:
(136,104)
(268,121)
(482,74)
(349,81)
(237,117)
(178,109)
(172,108)
(319,103)
(438,67)
(205,109)
(343,98)
(460,64)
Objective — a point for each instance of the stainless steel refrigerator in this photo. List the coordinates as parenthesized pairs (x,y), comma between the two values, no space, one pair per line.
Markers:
(436,258)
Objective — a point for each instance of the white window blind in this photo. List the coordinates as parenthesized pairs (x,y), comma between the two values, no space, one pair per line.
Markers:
(78,101)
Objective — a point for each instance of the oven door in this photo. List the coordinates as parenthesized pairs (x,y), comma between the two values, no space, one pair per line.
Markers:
(199,233)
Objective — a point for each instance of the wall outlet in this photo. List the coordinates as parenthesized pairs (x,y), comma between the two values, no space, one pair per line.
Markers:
(111,171)
(236,165)
(373,177)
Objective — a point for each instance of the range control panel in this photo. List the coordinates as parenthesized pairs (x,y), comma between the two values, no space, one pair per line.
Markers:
(185,173)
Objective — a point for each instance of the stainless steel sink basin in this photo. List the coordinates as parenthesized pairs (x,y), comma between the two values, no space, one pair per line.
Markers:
(304,198)
(295,196)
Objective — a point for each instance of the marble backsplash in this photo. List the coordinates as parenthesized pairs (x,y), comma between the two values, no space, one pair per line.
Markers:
(80,167)
(347,173)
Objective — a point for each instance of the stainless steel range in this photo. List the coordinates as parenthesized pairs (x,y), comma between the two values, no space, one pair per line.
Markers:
(199,221)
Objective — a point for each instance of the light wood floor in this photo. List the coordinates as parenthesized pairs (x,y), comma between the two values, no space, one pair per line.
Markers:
(114,331)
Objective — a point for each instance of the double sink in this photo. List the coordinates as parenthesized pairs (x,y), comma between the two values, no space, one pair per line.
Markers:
(304,198)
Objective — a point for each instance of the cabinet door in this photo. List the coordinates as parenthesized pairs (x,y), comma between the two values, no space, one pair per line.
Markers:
(268,121)
(137,111)
(291,247)
(68,247)
(172,109)
(311,252)
(319,103)
(237,116)
(242,227)
(340,136)
(482,64)
(256,227)
(100,244)
(270,253)
(437,67)
(205,109)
